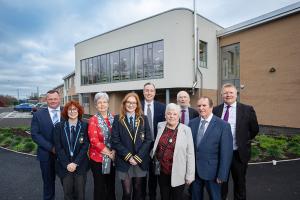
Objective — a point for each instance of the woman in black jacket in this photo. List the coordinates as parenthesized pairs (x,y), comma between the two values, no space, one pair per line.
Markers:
(71,145)
(131,139)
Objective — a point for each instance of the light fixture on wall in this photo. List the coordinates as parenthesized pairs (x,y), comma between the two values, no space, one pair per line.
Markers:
(272,69)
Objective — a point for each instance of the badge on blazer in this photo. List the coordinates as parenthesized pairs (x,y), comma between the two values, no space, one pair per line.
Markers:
(142,136)
(81,140)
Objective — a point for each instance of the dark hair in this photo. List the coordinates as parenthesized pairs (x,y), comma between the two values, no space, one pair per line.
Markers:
(64,113)
(149,83)
(52,92)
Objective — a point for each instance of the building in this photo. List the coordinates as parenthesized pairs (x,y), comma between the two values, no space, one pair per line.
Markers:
(159,49)
(60,89)
(69,88)
(260,56)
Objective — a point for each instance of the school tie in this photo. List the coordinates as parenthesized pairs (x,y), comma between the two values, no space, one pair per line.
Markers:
(182,119)
(149,116)
(72,135)
(55,117)
(201,132)
(226,116)
(131,124)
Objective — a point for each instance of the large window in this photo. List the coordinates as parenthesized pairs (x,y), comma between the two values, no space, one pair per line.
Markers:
(140,62)
(202,54)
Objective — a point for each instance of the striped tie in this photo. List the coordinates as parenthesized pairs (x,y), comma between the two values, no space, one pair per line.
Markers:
(55,117)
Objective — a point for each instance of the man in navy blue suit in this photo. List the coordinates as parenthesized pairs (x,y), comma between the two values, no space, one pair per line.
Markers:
(155,112)
(42,126)
(213,151)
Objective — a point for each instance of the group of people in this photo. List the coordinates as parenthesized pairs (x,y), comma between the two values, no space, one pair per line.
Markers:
(148,144)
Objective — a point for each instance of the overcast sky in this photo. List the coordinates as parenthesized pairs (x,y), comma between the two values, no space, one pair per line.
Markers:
(37,37)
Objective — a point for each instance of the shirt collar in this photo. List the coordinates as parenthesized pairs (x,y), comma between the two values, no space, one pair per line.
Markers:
(151,103)
(51,109)
(208,119)
(232,105)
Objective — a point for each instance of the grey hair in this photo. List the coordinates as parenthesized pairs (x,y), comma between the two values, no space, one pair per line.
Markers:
(173,106)
(101,95)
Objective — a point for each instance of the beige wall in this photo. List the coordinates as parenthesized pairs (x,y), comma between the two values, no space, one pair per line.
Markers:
(276,95)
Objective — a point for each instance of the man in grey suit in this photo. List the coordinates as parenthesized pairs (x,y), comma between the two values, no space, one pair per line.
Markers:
(213,151)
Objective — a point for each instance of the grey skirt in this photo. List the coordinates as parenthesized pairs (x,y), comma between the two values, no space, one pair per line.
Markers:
(133,171)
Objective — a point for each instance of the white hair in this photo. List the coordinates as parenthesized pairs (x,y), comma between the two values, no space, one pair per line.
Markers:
(101,95)
(173,106)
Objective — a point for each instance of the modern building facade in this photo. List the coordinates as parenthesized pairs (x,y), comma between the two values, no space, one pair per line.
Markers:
(69,88)
(262,58)
(259,56)
(159,49)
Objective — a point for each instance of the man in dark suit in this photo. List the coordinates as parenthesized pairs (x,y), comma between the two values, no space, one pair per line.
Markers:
(42,125)
(157,112)
(187,113)
(213,151)
(244,127)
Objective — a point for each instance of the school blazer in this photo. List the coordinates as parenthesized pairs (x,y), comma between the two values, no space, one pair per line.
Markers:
(61,132)
(129,144)
(184,157)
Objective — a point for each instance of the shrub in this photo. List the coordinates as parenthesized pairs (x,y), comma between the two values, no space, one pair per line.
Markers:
(255,152)
(29,147)
(19,147)
(2,137)
(7,142)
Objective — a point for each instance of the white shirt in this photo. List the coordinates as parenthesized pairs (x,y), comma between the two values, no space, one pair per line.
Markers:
(52,114)
(207,122)
(151,108)
(231,121)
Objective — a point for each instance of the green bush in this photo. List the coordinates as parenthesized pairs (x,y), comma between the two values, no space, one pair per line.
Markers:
(7,142)
(255,152)
(294,147)
(29,147)
(19,147)
(27,140)
(8,134)
(275,151)
(2,137)
(4,130)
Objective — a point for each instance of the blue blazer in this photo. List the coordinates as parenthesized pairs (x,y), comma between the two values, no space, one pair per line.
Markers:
(42,133)
(214,154)
(61,138)
(158,116)
(129,145)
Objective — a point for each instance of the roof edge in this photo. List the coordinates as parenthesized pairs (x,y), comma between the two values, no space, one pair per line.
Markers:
(180,8)
(265,18)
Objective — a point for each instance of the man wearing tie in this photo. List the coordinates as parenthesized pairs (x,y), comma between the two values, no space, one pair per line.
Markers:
(155,112)
(42,125)
(244,127)
(213,151)
(187,113)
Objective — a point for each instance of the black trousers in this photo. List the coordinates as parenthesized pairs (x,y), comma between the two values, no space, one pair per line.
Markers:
(238,172)
(74,186)
(152,180)
(167,192)
(104,184)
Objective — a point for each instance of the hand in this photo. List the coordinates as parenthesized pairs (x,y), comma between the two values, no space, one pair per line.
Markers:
(219,181)
(53,150)
(188,182)
(71,167)
(132,161)
(112,155)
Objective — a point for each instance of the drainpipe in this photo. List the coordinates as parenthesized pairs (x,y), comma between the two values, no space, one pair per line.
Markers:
(196,56)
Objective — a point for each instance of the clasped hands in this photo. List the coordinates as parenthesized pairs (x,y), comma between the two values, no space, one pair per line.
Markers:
(71,167)
(110,153)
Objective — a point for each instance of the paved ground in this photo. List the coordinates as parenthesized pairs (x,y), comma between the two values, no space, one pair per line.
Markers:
(10,118)
(20,178)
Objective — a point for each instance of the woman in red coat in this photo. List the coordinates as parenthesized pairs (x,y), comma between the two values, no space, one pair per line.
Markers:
(101,155)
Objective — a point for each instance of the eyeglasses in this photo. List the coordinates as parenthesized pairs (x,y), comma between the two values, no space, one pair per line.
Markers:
(131,103)
(74,110)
